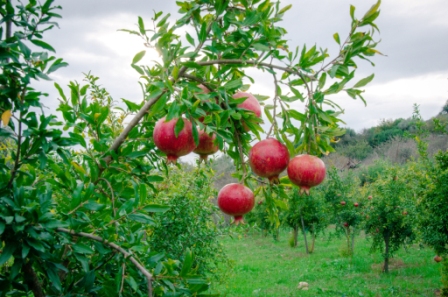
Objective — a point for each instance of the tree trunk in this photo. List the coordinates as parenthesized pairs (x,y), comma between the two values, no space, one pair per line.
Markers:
(352,248)
(295,235)
(304,232)
(386,254)
(276,234)
(31,280)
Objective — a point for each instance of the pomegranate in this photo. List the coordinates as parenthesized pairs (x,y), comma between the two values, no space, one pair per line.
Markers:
(306,171)
(343,203)
(268,158)
(356,204)
(166,140)
(236,200)
(206,146)
(438,259)
(346,224)
(251,103)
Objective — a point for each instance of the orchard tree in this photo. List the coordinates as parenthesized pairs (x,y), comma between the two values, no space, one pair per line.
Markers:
(78,209)
(307,213)
(388,222)
(347,204)
(432,206)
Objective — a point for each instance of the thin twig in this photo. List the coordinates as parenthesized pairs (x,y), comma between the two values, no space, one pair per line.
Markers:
(116,247)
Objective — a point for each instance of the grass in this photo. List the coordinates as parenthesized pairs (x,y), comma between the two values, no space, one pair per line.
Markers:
(267,268)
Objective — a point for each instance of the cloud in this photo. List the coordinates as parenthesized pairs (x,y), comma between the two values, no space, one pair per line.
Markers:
(413,35)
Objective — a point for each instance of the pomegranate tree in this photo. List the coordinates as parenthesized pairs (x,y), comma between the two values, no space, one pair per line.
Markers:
(268,158)
(207,145)
(236,200)
(174,147)
(306,171)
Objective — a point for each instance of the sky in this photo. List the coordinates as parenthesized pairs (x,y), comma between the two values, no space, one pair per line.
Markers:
(413,34)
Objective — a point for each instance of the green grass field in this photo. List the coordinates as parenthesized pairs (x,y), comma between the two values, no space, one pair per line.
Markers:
(264,267)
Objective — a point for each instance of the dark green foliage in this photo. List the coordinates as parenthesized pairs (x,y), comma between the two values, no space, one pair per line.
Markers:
(387,223)
(188,222)
(433,206)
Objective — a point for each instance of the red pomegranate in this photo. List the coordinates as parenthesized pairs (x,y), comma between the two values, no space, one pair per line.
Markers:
(207,145)
(306,171)
(236,200)
(204,89)
(356,204)
(437,258)
(251,103)
(268,158)
(166,140)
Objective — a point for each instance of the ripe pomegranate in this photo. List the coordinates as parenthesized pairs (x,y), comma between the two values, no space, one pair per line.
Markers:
(343,203)
(306,171)
(438,259)
(204,89)
(268,158)
(251,103)
(236,200)
(166,140)
(356,204)
(206,146)
(346,224)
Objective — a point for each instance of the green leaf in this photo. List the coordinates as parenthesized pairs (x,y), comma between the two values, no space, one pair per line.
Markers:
(352,12)
(364,81)
(261,47)
(141,26)
(56,65)
(285,9)
(138,57)
(54,277)
(190,39)
(154,178)
(133,107)
(61,92)
(188,262)
(203,32)
(156,208)
(233,84)
(297,115)
(179,126)
(7,251)
(138,69)
(195,135)
(43,45)
(131,282)
(322,80)
(141,218)
(336,38)
(82,249)
(78,139)
(2,227)
(373,10)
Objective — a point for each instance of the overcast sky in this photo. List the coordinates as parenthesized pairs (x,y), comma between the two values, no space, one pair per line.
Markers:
(414,36)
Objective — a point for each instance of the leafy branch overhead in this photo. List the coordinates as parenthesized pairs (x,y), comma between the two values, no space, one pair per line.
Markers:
(225,38)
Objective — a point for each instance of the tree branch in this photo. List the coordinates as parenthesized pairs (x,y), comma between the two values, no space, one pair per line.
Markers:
(141,113)
(116,247)
(31,280)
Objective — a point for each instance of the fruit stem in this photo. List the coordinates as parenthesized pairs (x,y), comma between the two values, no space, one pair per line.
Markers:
(273,180)
(171,159)
(238,220)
